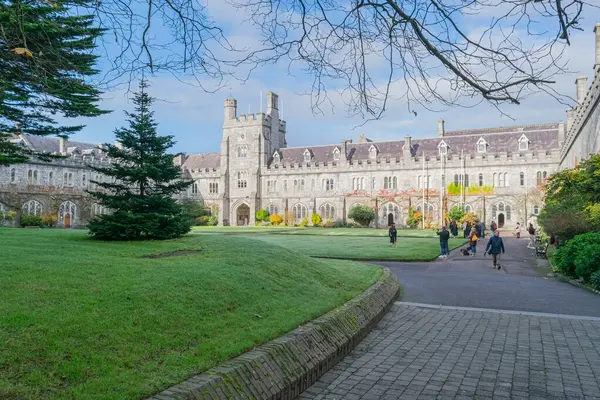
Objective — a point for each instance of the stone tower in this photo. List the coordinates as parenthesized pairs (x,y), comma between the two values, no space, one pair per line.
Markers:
(247,144)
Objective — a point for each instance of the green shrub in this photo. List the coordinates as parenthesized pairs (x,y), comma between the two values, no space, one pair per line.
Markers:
(456,213)
(328,223)
(362,214)
(7,217)
(338,224)
(213,220)
(580,256)
(304,222)
(595,280)
(262,215)
(202,221)
(31,220)
(316,219)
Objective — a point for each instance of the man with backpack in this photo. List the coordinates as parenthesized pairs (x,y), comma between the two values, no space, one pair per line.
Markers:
(444,236)
(495,246)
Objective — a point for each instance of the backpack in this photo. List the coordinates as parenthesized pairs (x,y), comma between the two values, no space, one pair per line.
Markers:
(474,238)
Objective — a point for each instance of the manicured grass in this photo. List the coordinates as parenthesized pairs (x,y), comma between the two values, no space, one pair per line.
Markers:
(318,231)
(360,248)
(81,319)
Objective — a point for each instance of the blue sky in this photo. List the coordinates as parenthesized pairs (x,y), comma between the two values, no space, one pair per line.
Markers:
(195,117)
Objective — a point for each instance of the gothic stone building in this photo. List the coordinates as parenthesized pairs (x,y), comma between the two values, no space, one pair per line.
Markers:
(255,169)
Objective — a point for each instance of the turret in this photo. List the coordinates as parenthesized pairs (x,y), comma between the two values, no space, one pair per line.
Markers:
(230,109)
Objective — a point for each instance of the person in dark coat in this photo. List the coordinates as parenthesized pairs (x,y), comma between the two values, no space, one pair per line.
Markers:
(444,236)
(479,229)
(495,246)
(393,234)
(493,226)
(454,228)
(467,230)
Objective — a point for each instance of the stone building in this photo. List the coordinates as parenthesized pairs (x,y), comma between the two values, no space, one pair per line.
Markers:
(255,169)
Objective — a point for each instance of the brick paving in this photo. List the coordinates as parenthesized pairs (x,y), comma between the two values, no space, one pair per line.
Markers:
(427,352)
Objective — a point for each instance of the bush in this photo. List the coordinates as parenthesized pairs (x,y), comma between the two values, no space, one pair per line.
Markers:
(304,222)
(580,256)
(202,221)
(339,224)
(49,220)
(31,220)
(275,219)
(469,217)
(193,208)
(262,215)
(414,218)
(328,223)
(456,213)
(315,219)
(213,220)
(362,214)
(7,217)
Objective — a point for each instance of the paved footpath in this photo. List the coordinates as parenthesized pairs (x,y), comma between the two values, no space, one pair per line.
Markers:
(484,334)
(419,352)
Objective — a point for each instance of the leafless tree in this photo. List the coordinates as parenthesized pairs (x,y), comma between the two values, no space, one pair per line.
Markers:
(449,52)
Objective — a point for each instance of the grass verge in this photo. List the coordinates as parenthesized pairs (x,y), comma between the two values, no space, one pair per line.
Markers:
(312,231)
(94,320)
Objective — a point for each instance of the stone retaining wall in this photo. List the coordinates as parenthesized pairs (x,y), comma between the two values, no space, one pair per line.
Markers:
(285,367)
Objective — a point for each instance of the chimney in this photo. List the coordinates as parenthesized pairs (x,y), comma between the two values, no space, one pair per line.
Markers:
(441,128)
(272,104)
(570,119)
(230,109)
(597,59)
(345,147)
(561,133)
(62,145)
(407,148)
(179,159)
(581,84)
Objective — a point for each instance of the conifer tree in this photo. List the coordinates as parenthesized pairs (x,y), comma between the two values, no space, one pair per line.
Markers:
(142,182)
(46,58)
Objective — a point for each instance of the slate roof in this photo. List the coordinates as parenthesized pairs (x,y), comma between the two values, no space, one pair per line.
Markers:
(499,140)
(197,162)
(51,144)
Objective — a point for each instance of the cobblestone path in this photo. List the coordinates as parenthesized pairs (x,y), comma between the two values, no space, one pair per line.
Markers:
(431,352)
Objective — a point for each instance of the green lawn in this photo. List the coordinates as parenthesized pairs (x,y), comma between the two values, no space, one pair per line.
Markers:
(81,319)
(319,231)
(360,248)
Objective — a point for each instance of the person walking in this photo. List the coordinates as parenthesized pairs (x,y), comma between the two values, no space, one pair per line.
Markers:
(493,226)
(473,238)
(454,228)
(518,231)
(495,246)
(393,234)
(479,229)
(531,231)
(444,236)
(467,229)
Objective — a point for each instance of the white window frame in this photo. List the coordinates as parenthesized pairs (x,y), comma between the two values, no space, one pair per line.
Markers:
(336,154)
(481,146)
(307,156)
(523,143)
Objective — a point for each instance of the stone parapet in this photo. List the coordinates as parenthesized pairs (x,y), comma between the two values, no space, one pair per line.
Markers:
(288,365)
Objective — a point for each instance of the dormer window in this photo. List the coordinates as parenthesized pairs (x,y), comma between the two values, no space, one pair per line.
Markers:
(373,152)
(523,143)
(276,157)
(307,155)
(443,148)
(481,145)
(336,154)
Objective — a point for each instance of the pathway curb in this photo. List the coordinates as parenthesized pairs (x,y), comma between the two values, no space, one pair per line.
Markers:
(285,367)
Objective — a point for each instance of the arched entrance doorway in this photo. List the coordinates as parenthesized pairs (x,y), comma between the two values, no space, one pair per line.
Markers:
(501,220)
(501,213)
(243,215)
(390,219)
(391,213)
(66,214)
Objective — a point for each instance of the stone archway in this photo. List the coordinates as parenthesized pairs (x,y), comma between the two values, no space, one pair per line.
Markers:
(242,214)
(390,219)
(501,220)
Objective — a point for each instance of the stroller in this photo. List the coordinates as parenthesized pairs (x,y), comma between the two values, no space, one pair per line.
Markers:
(466,251)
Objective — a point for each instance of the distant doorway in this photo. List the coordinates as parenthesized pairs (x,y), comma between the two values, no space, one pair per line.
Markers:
(67,220)
(390,219)
(501,220)
(243,215)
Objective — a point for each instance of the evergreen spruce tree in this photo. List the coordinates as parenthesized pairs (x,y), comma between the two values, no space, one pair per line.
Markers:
(46,58)
(144,181)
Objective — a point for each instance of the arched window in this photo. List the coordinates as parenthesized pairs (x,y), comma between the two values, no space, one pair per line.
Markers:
(242,177)
(394,183)
(501,179)
(538,180)
(13,175)
(327,211)
(456,179)
(494,211)
(307,156)
(506,179)
(70,179)
(468,208)
(536,210)
(391,208)
(508,213)
(299,211)
(328,184)
(66,208)
(32,207)
(522,179)
(272,209)
(336,154)
(98,209)
(501,207)
(30,177)
(466,180)
(544,177)
(480,179)
(195,188)
(386,183)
